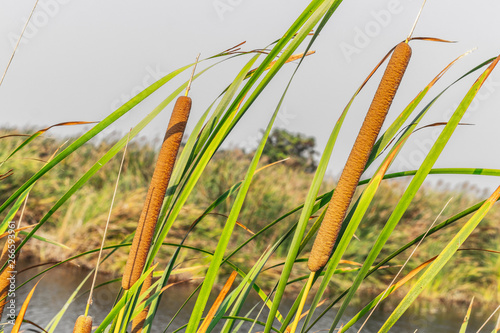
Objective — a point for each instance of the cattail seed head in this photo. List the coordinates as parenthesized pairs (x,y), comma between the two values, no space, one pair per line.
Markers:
(83,324)
(140,319)
(156,193)
(342,196)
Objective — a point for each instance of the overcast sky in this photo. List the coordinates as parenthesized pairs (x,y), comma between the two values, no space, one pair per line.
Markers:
(80,60)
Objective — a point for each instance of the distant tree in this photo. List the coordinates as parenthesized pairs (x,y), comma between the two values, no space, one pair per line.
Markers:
(282,144)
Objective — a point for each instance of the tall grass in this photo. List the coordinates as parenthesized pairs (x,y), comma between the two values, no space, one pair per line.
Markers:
(222,204)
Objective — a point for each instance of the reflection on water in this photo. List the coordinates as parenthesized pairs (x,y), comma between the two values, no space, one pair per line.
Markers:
(58,285)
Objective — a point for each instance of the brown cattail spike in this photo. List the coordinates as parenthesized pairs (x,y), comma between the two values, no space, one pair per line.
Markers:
(140,319)
(358,157)
(10,246)
(83,325)
(156,193)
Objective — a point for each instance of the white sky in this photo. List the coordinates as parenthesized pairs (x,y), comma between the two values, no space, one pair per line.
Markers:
(80,58)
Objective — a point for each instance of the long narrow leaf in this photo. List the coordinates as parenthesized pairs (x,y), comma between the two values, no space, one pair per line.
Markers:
(106,158)
(22,312)
(226,233)
(463,328)
(441,260)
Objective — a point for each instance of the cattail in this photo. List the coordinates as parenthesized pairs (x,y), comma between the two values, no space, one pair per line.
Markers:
(83,324)
(156,193)
(358,157)
(138,322)
(8,249)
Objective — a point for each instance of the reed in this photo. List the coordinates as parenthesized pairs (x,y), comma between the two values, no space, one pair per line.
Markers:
(196,200)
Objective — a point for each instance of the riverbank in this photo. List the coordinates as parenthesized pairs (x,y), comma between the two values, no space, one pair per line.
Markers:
(444,316)
(78,225)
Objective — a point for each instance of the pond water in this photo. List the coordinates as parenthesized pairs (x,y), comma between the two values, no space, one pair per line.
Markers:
(58,285)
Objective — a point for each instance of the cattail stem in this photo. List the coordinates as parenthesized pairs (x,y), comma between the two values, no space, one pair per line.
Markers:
(156,193)
(358,157)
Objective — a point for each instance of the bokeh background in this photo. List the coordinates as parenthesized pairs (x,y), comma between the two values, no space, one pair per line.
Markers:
(80,60)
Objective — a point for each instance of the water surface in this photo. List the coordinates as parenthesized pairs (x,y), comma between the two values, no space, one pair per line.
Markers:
(59,284)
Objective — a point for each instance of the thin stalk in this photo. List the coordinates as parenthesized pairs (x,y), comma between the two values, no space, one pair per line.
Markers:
(192,75)
(89,301)
(404,265)
(489,318)
(22,211)
(18,41)
(416,21)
